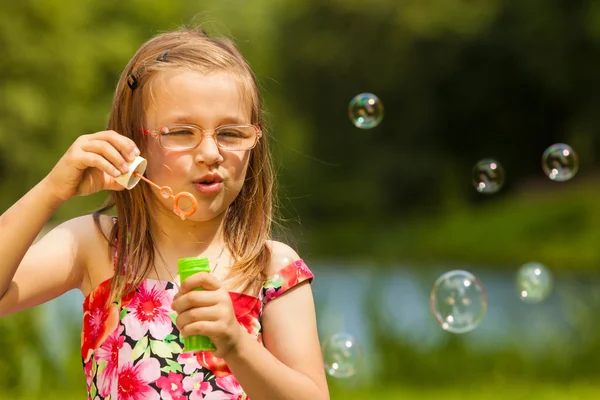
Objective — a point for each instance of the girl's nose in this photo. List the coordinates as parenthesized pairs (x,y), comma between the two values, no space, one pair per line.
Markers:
(208,151)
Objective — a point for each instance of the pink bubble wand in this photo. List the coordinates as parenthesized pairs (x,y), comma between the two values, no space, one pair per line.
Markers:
(167,193)
(136,170)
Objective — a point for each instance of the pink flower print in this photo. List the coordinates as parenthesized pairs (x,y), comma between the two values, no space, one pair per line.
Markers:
(287,277)
(303,269)
(99,319)
(149,311)
(231,385)
(189,362)
(271,293)
(134,380)
(196,385)
(172,387)
(217,395)
(109,353)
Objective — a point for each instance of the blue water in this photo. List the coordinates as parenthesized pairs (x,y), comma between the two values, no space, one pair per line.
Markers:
(401,294)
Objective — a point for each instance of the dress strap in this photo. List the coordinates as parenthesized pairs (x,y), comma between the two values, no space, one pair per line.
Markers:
(288,277)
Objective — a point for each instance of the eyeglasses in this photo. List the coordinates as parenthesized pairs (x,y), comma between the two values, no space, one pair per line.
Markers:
(188,137)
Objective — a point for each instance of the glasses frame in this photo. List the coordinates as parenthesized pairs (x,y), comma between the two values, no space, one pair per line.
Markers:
(204,133)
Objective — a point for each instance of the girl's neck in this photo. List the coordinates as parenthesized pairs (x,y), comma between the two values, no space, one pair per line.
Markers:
(177,238)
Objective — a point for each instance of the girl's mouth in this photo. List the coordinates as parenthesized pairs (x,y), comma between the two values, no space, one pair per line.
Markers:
(208,187)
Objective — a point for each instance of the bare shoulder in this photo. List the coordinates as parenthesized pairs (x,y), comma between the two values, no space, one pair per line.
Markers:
(95,246)
(281,256)
(85,232)
(85,224)
(92,248)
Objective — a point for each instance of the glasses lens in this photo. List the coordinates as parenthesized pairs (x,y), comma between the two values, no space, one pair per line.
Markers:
(236,137)
(178,138)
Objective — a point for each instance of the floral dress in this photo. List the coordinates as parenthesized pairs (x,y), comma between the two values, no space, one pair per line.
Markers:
(132,350)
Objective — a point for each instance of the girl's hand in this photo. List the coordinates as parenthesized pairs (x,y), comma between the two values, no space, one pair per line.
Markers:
(207,312)
(91,164)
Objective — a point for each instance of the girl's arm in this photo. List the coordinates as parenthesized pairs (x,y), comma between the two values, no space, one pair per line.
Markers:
(30,275)
(53,266)
(19,226)
(290,365)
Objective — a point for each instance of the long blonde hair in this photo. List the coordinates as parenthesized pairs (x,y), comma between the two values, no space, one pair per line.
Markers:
(247,222)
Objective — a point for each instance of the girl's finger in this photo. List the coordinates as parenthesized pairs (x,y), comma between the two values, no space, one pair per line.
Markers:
(108,151)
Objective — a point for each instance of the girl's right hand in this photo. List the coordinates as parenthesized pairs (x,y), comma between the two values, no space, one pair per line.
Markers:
(91,164)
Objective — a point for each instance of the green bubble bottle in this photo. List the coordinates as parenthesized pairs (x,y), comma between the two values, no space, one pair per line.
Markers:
(186,268)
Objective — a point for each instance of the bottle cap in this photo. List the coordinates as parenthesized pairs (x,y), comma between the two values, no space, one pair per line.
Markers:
(128,180)
(192,265)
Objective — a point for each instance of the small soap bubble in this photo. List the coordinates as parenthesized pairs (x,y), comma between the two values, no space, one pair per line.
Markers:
(534,282)
(458,301)
(342,355)
(365,111)
(560,162)
(488,176)
(165,193)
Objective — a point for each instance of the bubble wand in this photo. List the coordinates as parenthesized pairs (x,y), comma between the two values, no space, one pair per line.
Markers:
(135,173)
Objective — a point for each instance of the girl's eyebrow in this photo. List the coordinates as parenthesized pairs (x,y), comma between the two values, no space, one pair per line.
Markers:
(233,121)
(189,120)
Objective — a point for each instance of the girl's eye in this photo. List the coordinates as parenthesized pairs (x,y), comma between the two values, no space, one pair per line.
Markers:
(177,132)
(231,133)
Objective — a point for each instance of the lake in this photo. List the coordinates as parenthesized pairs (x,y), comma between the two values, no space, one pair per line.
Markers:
(401,294)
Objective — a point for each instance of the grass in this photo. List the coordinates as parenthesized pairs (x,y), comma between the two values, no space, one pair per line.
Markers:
(521,391)
(555,225)
(558,228)
(512,391)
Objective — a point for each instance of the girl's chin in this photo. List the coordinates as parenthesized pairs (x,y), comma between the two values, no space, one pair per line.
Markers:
(205,216)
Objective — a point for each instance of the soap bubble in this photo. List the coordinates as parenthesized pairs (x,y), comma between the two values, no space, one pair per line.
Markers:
(559,162)
(488,176)
(365,111)
(534,282)
(458,301)
(341,355)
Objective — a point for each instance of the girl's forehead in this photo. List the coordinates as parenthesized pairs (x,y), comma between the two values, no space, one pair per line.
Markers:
(186,96)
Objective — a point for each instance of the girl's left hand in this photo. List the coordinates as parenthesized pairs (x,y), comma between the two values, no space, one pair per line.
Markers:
(207,312)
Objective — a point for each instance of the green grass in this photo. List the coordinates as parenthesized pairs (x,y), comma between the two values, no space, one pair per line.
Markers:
(558,228)
(510,391)
(555,225)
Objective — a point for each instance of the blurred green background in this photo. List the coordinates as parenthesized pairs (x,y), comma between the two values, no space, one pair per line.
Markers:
(380,213)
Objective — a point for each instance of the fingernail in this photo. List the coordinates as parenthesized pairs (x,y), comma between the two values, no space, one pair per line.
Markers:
(133,155)
(124,168)
(116,173)
(137,151)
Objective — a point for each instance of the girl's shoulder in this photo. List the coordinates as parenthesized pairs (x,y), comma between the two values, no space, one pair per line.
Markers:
(282,255)
(286,271)
(89,236)
(93,241)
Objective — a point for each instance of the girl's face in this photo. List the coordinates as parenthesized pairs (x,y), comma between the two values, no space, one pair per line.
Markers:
(183,97)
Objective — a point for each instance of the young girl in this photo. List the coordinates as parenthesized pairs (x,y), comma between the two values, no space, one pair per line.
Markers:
(189,104)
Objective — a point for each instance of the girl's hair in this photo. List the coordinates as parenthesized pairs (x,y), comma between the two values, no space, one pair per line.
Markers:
(247,222)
